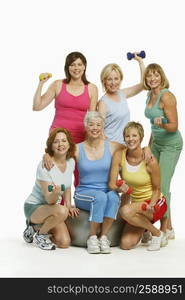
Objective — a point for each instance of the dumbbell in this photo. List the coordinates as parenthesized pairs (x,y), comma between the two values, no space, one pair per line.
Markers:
(164,121)
(50,188)
(156,207)
(130,55)
(119,183)
(42,76)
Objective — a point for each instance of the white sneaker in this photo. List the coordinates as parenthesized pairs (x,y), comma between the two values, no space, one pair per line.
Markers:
(147,236)
(93,245)
(155,243)
(164,240)
(43,241)
(170,234)
(104,245)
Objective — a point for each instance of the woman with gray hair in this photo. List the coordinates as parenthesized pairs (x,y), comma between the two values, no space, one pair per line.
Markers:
(94,157)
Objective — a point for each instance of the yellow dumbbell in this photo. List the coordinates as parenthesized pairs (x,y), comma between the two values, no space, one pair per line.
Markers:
(45,76)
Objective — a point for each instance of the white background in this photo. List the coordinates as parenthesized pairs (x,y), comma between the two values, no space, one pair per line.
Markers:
(36,36)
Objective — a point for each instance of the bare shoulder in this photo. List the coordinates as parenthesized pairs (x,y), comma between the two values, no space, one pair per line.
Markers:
(92,87)
(114,146)
(152,163)
(168,98)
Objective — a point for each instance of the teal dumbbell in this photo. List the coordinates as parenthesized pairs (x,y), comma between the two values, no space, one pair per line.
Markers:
(50,188)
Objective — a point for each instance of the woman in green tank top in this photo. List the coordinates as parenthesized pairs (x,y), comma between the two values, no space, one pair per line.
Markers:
(166,141)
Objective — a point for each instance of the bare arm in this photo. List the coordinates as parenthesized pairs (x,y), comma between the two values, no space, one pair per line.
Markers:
(114,146)
(114,171)
(169,105)
(154,171)
(101,108)
(134,90)
(73,211)
(41,101)
(50,197)
(93,93)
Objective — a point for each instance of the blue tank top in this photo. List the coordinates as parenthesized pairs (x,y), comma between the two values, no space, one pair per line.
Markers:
(94,174)
(117,116)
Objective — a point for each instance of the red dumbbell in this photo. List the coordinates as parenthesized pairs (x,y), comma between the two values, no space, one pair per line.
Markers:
(119,183)
(156,207)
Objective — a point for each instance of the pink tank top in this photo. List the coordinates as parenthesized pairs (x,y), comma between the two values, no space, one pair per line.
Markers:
(70,111)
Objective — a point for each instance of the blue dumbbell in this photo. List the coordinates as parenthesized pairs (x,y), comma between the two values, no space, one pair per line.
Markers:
(50,188)
(164,121)
(142,54)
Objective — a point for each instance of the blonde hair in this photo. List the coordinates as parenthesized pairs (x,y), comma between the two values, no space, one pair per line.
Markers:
(107,70)
(135,125)
(155,68)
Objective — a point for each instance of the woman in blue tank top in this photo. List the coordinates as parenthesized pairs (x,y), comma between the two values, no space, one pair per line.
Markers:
(166,140)
(94,157)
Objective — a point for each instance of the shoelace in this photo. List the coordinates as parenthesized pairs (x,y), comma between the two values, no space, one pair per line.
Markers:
(105,242)
(45,238)
(94,242)
(154,241)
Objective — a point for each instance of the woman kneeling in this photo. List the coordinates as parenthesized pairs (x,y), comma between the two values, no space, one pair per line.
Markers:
(145,205)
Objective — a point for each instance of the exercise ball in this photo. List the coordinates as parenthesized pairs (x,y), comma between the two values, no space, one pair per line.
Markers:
(79,229)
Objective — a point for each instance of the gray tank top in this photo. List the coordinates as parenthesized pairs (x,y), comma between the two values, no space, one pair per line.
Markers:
(117,116)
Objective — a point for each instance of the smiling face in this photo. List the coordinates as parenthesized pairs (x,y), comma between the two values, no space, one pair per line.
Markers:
(153,79)
(112,82)
(94,128)
(76,69)
(132,138)
(60,145)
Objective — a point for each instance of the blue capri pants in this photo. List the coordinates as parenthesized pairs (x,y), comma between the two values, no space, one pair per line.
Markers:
(100,203)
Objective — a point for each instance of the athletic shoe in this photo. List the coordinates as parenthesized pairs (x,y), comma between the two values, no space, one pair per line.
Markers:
(93,245)
(146,237)
(43,241)
(164,240)
(170,234)
(28,233)
(104,245)
(155,243)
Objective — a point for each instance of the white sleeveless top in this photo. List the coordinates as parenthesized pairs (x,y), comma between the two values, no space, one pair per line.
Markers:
(117,116)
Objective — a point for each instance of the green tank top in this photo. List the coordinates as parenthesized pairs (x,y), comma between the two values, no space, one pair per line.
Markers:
(159,134)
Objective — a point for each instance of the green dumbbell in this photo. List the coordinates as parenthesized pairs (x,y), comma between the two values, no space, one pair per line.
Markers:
(50,188)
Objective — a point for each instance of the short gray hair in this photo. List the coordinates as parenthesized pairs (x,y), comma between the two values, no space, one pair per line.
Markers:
(93,115)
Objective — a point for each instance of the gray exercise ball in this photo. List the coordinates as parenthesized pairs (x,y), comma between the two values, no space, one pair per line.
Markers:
(79,229)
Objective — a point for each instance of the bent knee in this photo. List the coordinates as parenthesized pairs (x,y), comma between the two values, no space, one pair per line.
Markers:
(61,212)
(62,242)
(127,244)
(125,211)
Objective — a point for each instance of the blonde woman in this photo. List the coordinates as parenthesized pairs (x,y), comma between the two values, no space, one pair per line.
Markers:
(144,180)
(113,105)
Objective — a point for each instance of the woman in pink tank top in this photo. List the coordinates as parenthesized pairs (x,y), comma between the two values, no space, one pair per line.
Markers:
(74,96)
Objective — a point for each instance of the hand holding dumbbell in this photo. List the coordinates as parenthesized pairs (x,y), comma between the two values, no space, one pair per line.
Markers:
(119,183)
(44,76)
(141,54)
(163,120)
(50,188)
(146,206)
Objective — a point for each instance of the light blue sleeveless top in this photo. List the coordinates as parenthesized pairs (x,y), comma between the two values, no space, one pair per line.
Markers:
(94,174)
(158,133)
(118,115)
